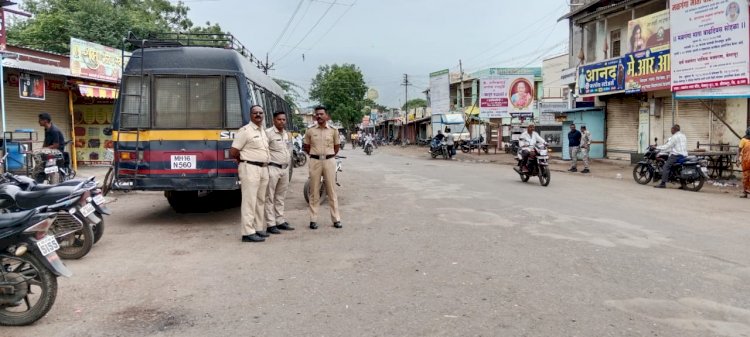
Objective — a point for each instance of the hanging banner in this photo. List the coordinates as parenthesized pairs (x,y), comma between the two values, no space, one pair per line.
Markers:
(493,99)
(647,70)
(709,44)
(601,77)
(507,92)
(650,31)
(440,98)
(92,60)
(31,86)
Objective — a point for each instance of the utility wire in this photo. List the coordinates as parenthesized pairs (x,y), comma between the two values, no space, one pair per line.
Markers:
(308,32)
(288,23)
(301,18)
(334,24)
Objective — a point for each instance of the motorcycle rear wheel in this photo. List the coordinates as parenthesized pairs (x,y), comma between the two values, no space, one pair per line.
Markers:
(43,279)
(77,244)
(465,149)
(642,174)
(693,186)
(433,155)
(98,228)
(525,177)
(306,191)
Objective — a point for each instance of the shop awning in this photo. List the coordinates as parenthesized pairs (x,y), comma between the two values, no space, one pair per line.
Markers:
(97,91)
(568,111)
(472,110)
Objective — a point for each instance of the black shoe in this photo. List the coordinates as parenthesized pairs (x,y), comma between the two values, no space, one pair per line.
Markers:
(252,238)
(573,170)
(285,227)
(313,225)
(262,234)
(273,230)
(338,224)
(585,171)
(660,186)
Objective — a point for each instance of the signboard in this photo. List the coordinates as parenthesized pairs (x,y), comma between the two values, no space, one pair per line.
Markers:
(493,98)
(709,44)
(646,32)
(507,93)
(737,91)
(440,98)
(601,77)
(568,76)
(648,70)
(92,60)
(31,86)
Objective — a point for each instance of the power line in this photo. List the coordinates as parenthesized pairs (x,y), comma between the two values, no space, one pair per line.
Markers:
(302,18)
(288,23)
(308,32)
(334,24)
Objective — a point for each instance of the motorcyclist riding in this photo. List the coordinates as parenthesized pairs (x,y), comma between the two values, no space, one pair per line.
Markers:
(677,147)
(527,141)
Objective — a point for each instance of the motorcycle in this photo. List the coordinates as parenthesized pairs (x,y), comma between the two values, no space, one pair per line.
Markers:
(57,167)
(29,266)
(512,147)
(439,148)
(299,158)
(423,141)
(690,173)
(536,165)
(473,144)
(306,190)
(97,197)
(368,147)
(76,218)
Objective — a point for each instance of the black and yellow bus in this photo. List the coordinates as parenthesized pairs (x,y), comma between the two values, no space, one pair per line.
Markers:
(179,107)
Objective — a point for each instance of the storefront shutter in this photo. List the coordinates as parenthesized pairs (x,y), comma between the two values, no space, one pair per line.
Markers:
(622,127)
(694,119)
(24,113)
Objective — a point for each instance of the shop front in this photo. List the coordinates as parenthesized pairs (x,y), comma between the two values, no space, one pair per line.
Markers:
(92,111)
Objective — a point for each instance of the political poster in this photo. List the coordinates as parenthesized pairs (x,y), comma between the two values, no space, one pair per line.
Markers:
(646,32)
(507,92)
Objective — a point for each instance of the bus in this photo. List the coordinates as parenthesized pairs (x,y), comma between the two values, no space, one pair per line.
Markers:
(182,100)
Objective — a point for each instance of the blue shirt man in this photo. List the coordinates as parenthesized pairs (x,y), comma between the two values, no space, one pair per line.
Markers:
(574,146)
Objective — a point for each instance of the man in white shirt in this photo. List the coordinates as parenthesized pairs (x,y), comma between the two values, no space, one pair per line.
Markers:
(677,147)
(450,142)
(526,142)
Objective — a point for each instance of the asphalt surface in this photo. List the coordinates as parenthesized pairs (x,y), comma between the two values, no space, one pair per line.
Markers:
(429,248)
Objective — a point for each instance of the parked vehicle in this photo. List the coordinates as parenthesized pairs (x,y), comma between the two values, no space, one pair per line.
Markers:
(439,148)
(30,266)
(537,165)
(57,168)
(306,189)
(424,141)
(76,213)
(299,158)
(690,173)
(513,147)
(473,144)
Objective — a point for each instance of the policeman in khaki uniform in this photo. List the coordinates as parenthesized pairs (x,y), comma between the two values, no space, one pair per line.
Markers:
(250,149)
(322,144)
(278,174)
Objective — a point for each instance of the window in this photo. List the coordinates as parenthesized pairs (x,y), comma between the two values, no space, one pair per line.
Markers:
(130,103)
(188,102)
(233,104)
(615,44)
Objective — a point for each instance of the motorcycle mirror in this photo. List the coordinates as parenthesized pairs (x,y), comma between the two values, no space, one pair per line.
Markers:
(107,131)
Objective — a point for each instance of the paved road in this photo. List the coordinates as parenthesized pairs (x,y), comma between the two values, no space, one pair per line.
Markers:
(429,248)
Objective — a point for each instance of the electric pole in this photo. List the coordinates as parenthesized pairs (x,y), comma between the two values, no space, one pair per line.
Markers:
(406,105)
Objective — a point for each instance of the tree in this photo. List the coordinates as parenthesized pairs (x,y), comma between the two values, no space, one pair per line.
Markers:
(102,21)
(370,104)
(414,103)
(341,89)
(291,96)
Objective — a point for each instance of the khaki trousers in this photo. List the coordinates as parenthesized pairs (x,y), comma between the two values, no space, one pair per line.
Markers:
(254,184)
(278,183)
(327,169)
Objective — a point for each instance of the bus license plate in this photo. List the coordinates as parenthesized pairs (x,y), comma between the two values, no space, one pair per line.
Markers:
(48,245)
(183,162)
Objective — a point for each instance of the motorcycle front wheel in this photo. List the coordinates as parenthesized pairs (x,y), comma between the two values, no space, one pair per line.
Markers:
(642,174)
(433,155)
(34,289)
(544,175)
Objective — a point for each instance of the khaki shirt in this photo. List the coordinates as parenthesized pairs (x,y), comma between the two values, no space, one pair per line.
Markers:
(322,140)
(252,142)
(278,144)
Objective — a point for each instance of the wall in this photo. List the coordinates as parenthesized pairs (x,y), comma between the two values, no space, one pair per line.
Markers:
(551,70)
(736,117)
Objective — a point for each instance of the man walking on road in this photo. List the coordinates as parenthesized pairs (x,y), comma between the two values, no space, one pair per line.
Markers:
(250,149)
(585,147)
(450,142)
(322,144)
(677,147)
(278,174)
(574,145)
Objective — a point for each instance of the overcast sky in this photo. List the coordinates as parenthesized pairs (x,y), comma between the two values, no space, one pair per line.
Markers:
(387,38)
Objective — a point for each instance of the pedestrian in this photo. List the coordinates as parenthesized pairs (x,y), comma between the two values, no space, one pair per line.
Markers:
(743,160)
(574,146)
(585,147)
(54,143)
(342,140)
(322,144)
(449,142)
(677,147)
(354,140)
(278,174)
(250,149)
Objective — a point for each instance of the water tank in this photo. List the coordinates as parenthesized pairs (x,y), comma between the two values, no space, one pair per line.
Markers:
(16,158)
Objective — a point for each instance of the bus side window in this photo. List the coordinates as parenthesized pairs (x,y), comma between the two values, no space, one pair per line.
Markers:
(233,104)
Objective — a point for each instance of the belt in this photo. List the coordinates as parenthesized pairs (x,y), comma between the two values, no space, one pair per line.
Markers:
(281,166)
(315,156)
(256,163)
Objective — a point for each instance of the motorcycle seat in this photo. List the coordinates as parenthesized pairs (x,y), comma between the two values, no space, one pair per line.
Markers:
(34,199)
(16,218)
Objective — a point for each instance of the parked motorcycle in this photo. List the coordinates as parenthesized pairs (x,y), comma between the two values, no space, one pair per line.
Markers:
(76,213)
(438,148)
(29,266)
(306,189)
(536,165)
(473,144)
(299,158)
(57,168)
(690,173)
(512,147)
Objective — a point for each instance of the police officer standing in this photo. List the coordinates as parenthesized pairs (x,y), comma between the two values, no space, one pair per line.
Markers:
(250,149)
(322,144)
(278,174)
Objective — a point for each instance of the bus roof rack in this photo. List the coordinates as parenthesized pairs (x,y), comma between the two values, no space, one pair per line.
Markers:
(180,39)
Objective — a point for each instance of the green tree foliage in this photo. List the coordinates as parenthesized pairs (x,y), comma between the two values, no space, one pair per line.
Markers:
(370,104)
(101,21)
(291,92)
(414,103)
(341,89)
